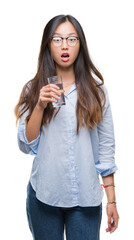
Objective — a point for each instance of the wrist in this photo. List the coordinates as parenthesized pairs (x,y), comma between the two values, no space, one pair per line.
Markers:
(39,106)
(111,196)
(111,203)
(110,191)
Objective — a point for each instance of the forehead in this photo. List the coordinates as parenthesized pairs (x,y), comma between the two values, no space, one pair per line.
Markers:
(65,28)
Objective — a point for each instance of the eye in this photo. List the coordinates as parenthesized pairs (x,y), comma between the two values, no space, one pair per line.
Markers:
(56,39)
(72,39)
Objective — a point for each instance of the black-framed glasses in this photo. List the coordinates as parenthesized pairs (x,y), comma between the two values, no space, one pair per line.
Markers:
(71,41)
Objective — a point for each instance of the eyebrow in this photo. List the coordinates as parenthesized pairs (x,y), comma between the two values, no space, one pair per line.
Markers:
(61,34)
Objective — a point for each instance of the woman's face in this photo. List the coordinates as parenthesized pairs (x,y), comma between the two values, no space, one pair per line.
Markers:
(65,55)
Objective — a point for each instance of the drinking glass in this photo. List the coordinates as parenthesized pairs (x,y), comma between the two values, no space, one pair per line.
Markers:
(57,80)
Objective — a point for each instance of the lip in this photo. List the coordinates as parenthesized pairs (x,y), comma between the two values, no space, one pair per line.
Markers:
(65,59)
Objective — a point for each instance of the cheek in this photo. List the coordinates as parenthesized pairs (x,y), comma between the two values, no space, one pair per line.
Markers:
(75,53)
(55,57)
(54,53)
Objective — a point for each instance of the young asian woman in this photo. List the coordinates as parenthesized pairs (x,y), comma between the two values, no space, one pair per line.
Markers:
(72,145)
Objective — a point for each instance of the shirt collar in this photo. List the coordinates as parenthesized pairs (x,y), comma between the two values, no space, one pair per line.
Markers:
(74,86)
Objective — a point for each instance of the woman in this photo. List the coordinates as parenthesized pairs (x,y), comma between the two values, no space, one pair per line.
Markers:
(73,145)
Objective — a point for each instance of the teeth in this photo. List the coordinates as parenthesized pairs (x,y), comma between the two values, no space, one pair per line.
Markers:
(65,55)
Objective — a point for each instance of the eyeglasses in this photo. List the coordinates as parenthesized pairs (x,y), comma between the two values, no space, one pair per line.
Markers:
(71,41)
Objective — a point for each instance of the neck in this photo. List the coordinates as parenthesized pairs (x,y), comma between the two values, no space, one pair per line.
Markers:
(68,76)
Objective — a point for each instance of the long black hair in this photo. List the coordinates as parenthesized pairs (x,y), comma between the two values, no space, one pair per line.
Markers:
(89,91)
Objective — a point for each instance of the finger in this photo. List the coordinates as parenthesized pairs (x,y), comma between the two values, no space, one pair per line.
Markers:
(50,94)
(109,224)
(50,90)
(51,86)
(114,225)
(61,90)
(42,99)
(116,222)
(113,228)
(107,230)
(109,221)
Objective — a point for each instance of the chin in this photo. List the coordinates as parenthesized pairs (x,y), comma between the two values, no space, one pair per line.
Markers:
(65,65)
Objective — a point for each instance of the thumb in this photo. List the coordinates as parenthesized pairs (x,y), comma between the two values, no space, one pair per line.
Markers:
(109,223)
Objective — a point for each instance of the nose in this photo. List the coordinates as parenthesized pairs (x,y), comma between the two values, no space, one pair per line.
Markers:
(64,43)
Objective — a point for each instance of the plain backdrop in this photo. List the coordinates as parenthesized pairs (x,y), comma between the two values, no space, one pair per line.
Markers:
(108,26)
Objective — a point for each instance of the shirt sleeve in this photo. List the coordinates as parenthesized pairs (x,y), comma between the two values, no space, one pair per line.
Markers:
(24,145)
(106,164)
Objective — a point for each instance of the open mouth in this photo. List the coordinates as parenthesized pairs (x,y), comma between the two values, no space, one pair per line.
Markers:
(65,57)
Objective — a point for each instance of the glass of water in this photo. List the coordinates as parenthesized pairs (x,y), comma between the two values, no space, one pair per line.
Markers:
(57,80)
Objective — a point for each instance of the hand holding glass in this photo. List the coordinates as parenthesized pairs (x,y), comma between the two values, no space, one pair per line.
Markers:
(57,80)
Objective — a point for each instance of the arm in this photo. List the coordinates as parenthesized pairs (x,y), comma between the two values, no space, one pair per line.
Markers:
(110,191)
(34,123)
(106,166)
(112,213)
(29,136)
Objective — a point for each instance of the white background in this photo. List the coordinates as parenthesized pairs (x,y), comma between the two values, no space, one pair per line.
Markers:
(108,26)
